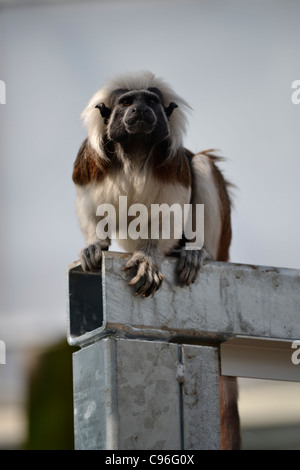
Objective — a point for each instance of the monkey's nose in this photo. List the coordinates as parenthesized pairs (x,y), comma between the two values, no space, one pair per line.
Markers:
(142,113)
(139,110)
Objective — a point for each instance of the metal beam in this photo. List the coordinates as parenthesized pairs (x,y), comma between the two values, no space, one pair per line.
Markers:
(227,300)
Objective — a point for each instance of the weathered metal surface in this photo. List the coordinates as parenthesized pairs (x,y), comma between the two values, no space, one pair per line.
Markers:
(227,300)
(136,394)
(148,395)
(95,396)
(201,411)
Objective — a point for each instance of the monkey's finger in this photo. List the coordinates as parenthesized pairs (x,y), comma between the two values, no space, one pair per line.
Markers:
(184,266)
(190,264)
(92,255)
(147,281)
(189,272)
(194,268)
(97,254)
(133,262)
(191,275)
(84,264)
(141,272)
(157,281)
(85,259)
(183,277)
(153,281)
(182,259)
(144,289)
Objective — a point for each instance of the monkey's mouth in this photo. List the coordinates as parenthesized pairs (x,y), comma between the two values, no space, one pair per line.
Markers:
(140,125)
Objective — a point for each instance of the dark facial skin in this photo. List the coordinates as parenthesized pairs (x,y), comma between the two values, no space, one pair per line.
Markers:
(137,117)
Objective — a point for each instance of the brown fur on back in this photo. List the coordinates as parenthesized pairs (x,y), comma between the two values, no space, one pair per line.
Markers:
(225,203)
(88,166)
(229,414)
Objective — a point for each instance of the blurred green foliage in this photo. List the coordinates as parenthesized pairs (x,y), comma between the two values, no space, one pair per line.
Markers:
(50,401)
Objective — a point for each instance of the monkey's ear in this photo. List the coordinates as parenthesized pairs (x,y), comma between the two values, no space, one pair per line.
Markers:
(104,111)
(169,110)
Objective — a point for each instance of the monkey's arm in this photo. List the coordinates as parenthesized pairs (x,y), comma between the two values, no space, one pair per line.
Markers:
(87,170)
(208,188)
(91,255)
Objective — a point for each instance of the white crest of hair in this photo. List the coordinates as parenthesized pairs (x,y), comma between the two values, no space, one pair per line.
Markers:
(135,81)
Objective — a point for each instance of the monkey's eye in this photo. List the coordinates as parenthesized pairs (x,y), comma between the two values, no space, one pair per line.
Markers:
(126,102)
(151,101)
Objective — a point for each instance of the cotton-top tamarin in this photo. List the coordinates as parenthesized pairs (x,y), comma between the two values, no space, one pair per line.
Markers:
(135,125)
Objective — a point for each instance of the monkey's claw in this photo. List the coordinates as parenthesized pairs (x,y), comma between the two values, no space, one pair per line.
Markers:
(90,257)
(147,278)
(189,265)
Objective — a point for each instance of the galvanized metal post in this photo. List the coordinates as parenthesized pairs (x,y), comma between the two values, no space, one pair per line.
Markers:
(147,373)
(137,394)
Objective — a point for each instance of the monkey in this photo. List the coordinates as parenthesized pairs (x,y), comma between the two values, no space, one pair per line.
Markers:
(134,147)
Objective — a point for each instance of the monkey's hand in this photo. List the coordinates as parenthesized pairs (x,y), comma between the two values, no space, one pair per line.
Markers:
(147,276)
(91,256)
(190,263)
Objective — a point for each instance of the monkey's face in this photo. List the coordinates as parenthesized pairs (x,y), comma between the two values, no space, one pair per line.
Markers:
(136,115)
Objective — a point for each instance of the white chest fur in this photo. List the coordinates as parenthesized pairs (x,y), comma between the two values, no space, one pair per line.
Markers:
(138,187)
